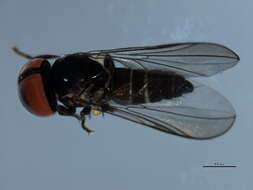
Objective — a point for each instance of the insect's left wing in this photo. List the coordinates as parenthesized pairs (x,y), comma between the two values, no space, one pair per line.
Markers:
(201,114)
(186,59)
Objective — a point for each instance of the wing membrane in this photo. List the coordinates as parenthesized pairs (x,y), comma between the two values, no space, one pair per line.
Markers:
(187,59)
(188,116)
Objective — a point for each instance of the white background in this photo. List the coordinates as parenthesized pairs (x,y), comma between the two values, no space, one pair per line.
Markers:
(54,153)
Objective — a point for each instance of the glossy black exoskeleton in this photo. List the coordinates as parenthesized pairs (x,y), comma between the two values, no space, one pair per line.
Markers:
(149,85)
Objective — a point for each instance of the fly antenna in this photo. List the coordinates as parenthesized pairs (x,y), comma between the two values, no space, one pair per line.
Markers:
(21,53)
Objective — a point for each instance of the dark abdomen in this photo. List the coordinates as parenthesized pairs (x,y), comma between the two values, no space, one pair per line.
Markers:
(138,86)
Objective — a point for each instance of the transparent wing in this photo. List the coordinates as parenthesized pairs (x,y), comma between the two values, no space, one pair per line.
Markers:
(202,114)
(187,59)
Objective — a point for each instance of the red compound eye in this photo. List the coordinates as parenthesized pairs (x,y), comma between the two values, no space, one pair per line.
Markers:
(33,87)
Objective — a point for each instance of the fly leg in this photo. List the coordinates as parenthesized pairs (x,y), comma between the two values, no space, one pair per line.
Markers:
(66,111)
(28,56)
(110,68)
(95,110)
(108,64)
(85,94)
(71,111)
(85,111)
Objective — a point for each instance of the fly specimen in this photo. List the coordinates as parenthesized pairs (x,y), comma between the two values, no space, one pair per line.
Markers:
(148,85)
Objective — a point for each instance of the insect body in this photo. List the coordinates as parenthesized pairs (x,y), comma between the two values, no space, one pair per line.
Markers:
(148,85)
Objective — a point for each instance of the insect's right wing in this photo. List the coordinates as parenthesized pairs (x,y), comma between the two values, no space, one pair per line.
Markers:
(202,114)
(186,59)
